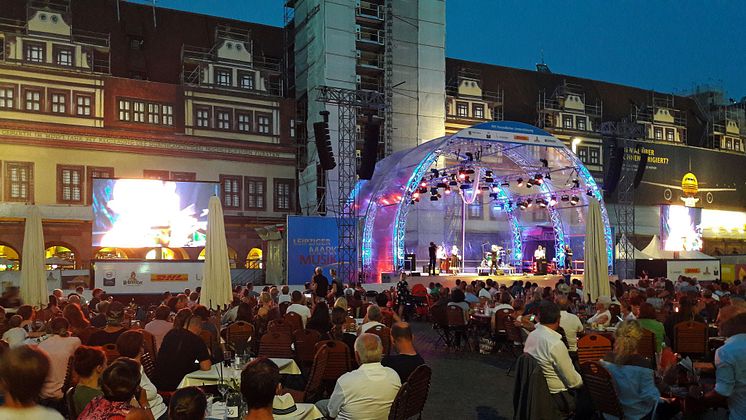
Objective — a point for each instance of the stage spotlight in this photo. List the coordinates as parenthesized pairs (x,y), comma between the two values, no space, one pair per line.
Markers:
(488,173)
(542,203)
(470,156)
(522,205)
(520,182)
(485,187)
(423,190)
(442,185)
(544,162)
(549,176)
(465,186)
(453,183)
(469,171)
(462,175)
(435,172)
(433,198)
(415,196)
(575,183)
(489,179)
(433,190)
(505,184)
(529,183)
(565,198)
(493,196)
(529,202)
(589,192)
(448,191)
(495,189)
(574,200)
(553,201)
(423,184)
(539,179)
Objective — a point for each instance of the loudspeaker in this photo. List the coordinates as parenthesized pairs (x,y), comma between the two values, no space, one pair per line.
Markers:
(410,262)
(616,160)
(324,143)
(640,169)
(371,137)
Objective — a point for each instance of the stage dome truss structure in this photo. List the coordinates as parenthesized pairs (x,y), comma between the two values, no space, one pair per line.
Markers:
(517,168)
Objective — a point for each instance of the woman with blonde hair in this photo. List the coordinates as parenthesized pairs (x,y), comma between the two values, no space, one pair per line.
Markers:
(632,374)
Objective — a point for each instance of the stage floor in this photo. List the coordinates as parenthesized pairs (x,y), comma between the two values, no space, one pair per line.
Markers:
(450,280)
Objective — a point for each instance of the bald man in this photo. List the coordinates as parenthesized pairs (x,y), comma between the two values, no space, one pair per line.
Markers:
(407,359)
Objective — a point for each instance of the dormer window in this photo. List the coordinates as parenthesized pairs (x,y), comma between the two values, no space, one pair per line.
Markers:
(63,56)
(462,109)
(223,77)
(33,51)
(246,80)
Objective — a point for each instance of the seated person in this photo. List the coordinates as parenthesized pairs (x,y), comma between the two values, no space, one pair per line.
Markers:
(113,329)
(23,371)
(188,403)
(648,321)
(602,317)
(181,348)
(407,359)
(122,396)
(260,382)
(88,363)
(372,318)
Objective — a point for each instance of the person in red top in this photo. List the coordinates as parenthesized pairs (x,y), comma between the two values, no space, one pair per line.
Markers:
(123,398)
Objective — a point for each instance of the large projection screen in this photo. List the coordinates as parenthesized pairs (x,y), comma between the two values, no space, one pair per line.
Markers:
(681,228)
(142,213)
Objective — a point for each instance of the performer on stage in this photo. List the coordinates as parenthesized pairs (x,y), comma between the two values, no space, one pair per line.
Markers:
(568,258)
(540,256)
(431,250)
(443,261)
(455,258)
(493,255)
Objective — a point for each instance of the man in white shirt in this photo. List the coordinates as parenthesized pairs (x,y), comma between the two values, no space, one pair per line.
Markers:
(545,345)
(59,347)
(285,295)
(368,391)
(372,318)
(15,334)
(160,326)
(483,293)
(571,324)
(298,307)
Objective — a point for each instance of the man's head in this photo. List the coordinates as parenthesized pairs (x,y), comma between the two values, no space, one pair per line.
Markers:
(59,294)
(725,318)
(130,344)
(260,382)
(401,333)
(318,271)
(59,326)
(23,371)
(79,290)
(26,312)
(285,290)
(162,312)
(73,298)
(563,303)
(194,325)
(368,349)
(115,314)
(296,296)
(187,403)
(374,313)
(549,314)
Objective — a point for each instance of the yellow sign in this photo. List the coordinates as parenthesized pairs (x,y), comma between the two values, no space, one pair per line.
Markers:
(689,184)
(169,277)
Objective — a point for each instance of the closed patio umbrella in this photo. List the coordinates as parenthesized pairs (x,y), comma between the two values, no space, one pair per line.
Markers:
(33,275)
(216,274)
(596,260)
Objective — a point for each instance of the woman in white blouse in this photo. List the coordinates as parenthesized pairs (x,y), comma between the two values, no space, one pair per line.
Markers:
(602,316)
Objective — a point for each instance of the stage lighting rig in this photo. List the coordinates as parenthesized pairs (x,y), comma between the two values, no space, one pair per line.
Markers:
(544,162)
(589,192)
(529,183)
(520,182)
(553,201)
(538,179)
(565,198)
(575,183)
(574,200)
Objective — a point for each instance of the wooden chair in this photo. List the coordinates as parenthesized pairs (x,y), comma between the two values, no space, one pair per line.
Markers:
(283,307)
(514,340)
(690,337)
(339,360)
(305,345)
(208,339)
(69,399)
(646,347)
(294,320)
(592,348)
(111,352)
(500,317)
(148,343)
(86,333)
(238,335)
(69,374)
(411,398)
(439,318)
(280,325)
(456,322)
(600,386)
(276,344)
(661,316)
(148,364)
(314,386)
(384,333)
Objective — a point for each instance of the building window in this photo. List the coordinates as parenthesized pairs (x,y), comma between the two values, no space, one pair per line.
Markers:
(155,174)
(230,190)
(154,114)
(737,145)
(83,105)
(478,110)
(19,182)
(567,121)
(243,121)
(292,128)
(125,107)
(670,134)
(34,51)
(658,133)
(138,112)
(168,114)
(580,123)
(202,117)
(183,176)
(462,109)
(594,156)
(246,80)
(33,100)
(582,153)
(475,210)
(69,184)
(223,119)
(283,194)
(263,124)
(728,143)
(63,56)
(94,172)
(59,102)
(255,193)
(7,97)
(223,77)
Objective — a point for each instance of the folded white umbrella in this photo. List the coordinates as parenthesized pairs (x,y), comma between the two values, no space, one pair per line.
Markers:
(596,274)
(216,275)
(33,274)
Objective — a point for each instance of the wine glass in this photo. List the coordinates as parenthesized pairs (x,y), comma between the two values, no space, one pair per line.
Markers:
(223,389)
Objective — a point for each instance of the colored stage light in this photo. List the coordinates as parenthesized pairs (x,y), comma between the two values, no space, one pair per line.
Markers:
(565,197)
(574,200)
(589,192)
(495,189)
(520,182)
(448,191)
(453,183)
(553,201)
(575,183)
(442,185)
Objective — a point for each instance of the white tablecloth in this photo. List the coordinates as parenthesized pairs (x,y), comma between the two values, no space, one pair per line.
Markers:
(304,412)
(212,376)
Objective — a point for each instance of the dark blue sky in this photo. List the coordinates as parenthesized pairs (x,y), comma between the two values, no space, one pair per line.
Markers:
(666,45)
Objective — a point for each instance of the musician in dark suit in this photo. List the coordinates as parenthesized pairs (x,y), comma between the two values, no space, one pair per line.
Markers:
(431,251)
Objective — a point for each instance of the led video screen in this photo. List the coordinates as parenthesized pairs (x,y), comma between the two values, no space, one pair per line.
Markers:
(681,228)
(141,213)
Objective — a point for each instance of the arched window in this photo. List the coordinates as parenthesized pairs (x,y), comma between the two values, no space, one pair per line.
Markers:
(111,254)
(232,256)
(163,254)
(254,259)
(9,258)
(59,256)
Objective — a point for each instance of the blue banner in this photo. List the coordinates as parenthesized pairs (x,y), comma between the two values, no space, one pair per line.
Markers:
(312,242)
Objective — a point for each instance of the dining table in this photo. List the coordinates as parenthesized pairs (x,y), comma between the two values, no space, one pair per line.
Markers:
(231,373)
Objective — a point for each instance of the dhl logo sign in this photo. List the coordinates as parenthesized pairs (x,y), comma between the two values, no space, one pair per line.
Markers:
(169,277)
(524,138)
(692,270)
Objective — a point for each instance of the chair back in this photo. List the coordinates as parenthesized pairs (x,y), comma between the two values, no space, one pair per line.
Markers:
(600,386)
(615,310)
(149,343)
(338,359)
(294,320)
(316,377)
(148,364)
(690,337)
(276,344)
(439,315)
(661,316)
(646,347)
(69,373)
(387,318)
(592,348)
(500,317)
(512,333)
(69,400)
(305,345)
(412,396)
(280,325)
(384,333)
(4,346)
(363,310)
(111,352)
(237,336)
(455,316)
(283,307)
(87,333)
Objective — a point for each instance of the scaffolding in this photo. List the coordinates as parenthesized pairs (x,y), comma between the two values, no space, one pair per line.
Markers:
(550,106)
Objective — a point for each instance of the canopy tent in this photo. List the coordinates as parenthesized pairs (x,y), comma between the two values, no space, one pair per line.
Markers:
(34,290)
(216,275)
(623,244)
(695,255)
(596,276)
(520,174)
(655,250)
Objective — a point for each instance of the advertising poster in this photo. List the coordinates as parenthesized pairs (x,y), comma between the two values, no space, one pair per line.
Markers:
(312,242)
(71,279)
(147,277)
(703,270)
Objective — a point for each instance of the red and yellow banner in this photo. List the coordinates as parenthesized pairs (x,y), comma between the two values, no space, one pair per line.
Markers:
(169,277)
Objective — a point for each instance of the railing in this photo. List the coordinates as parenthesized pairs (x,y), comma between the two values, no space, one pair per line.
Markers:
(369,10)
(199,54)
(97,39)
(647,113)
(374,36)
(370,60)
(12,25)
(487,95)
(553,104)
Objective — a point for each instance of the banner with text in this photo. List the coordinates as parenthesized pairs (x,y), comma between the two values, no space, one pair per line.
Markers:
(147,277)
(312,242)
(703,270)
